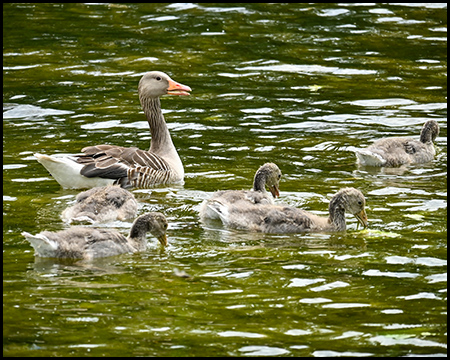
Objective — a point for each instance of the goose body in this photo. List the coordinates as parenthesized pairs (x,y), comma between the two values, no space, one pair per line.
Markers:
(279,219)
(268,174)
(90,243)
(101,165)
(102,204)
(397,151)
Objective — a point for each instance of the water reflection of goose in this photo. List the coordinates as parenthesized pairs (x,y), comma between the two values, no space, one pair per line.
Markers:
(397,151)
(89,243)
(102,204)
(129,167)
(268,174)
(269,218)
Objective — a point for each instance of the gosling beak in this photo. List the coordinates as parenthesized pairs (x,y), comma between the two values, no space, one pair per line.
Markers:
(362,218)
(275,191)
(163,240)
(177,88)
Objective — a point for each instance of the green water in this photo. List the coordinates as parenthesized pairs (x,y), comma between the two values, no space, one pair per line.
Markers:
(296,84)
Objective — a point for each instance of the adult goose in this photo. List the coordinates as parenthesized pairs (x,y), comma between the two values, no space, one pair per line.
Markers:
(268,174)
(397,151)
(89,243)
(128,167)
(102,204)
(279,219)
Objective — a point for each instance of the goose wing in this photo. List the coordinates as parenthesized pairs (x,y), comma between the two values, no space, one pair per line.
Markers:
(106,243)
(129,167)
(287,220)
(411,146)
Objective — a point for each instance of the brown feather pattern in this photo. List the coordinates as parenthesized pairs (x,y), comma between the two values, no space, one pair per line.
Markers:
(131,167)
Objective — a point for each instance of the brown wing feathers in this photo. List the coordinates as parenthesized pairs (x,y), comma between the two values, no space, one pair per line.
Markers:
(128,166)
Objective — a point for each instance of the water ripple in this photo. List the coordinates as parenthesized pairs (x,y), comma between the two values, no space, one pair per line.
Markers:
(263,351)
(374,272)
(241,334)
(397,340)
(32,111)
(308,69)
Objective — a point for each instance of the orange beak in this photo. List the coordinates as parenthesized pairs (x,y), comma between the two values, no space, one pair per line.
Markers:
(177,88)
(275,191)
(362,218)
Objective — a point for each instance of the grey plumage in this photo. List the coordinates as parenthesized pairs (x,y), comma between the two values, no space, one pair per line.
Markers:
(267,175)
(89,243)
(397,151)
(269,218)
(102,204)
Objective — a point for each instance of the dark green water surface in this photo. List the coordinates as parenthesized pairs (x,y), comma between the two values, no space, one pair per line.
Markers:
(296,84)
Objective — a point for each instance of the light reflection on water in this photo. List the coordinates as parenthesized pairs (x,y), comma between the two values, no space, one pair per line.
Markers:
(299,85)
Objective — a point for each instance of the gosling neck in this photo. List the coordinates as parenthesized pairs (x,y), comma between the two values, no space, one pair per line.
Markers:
(259,183)
(337,212)
(138,235)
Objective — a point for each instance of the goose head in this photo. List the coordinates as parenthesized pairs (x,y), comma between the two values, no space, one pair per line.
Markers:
(273,181)
(430,131)
(154,223)
(348,200)
(354,203)
(268,174)
(156,83)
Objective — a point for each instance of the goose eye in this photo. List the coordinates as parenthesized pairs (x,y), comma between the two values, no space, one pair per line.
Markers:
(158,78)
(279,176)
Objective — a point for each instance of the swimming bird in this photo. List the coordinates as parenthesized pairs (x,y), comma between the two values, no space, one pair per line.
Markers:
(102,204)
(102,165)
(397,151)
(89,243)
(280,219)
(268,174)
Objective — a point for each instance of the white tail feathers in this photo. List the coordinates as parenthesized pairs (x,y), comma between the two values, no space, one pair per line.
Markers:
(42,245)
(66,171)
(369,158)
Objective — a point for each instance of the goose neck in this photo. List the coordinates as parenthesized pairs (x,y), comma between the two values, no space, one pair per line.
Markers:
(161,140)
(259,183)
(337,212)
(137,237)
